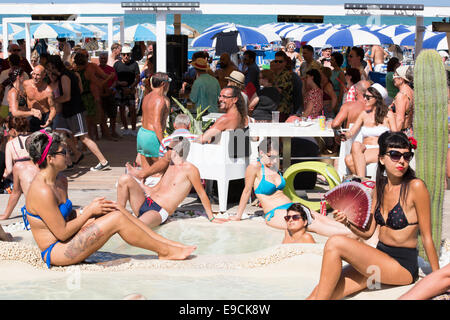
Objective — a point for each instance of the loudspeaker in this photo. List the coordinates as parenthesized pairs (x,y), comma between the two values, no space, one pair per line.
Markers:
(176,55)
(176,60)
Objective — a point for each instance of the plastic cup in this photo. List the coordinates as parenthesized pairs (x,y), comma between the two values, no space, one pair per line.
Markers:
(322,122)
(275,116)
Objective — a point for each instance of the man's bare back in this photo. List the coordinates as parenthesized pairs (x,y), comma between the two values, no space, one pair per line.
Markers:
(378,55)
(348,114)
(155,110)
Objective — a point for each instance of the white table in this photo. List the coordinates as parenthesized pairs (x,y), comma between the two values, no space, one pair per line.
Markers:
(286,131)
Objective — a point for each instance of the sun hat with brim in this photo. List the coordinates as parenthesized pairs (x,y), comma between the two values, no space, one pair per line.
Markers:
(401,72)
(443,53)
(200,64)
(126,49)
(237,77)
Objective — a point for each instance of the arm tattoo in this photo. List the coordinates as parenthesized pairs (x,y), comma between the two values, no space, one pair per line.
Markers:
(84,239)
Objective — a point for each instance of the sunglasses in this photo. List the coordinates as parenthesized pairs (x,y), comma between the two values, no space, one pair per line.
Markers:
(176,139)
(126,54)
(225,97)
(62,152)
(397,155)
(278,61)
(295,217)
(367,97)
(16,50)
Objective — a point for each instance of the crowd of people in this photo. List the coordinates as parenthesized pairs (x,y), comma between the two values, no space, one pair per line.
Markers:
(54,108)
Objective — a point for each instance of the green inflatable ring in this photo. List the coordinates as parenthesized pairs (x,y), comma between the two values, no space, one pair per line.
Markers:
(321,168)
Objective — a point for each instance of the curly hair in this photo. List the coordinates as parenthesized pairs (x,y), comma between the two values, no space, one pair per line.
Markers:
(37,142)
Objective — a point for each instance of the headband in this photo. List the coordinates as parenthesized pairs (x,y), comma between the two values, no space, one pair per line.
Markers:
(44,154)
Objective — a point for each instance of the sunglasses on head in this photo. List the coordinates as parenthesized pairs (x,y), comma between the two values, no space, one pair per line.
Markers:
(294,217)
(397,155)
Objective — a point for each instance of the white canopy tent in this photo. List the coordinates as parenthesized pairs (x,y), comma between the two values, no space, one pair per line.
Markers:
(80,20)
(303,7)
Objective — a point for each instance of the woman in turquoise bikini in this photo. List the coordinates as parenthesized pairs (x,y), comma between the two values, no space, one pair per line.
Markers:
(66,236)
(268,184)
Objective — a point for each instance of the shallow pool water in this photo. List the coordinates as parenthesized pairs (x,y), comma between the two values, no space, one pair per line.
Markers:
(210,239)
(173,287)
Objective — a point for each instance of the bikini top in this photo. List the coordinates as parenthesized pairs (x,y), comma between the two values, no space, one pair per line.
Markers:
(64,208)
(396,218)
(19,159)
(373,131)
(411,103)
(268,188)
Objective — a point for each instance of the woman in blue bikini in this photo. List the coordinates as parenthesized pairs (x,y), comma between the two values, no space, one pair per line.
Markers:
(400,208)
(268,184)
(66,236)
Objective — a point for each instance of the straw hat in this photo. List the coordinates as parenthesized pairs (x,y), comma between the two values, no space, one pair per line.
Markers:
(402,72)
(200,64)
(237,77)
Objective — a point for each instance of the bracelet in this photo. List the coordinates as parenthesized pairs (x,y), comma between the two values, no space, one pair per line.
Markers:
(210,220)
(347,224)
(81,211)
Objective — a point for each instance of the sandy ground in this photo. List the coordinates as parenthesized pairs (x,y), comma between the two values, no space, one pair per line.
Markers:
(286,260)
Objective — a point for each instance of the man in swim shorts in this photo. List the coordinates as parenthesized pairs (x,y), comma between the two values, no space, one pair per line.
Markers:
(155,110)
(154,205)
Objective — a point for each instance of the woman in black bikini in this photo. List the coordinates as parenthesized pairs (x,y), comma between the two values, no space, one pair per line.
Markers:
(394,260)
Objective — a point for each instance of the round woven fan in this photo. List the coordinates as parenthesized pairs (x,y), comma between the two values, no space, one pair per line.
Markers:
(353,199)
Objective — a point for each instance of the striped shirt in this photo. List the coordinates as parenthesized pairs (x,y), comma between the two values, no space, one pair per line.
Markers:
(177,133)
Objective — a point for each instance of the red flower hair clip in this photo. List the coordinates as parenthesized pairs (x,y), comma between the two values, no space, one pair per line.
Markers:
(413,142)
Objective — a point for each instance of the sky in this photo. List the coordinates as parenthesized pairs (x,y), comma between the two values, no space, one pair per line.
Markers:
(426,3)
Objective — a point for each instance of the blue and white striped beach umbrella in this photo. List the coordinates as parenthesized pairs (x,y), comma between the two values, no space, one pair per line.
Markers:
(394,30)
(12,28)
(76,27)
(246,35)
(437,42)
(47,30)
(318,32)
(350,38)
(298,32)
(409,39)
(137,32)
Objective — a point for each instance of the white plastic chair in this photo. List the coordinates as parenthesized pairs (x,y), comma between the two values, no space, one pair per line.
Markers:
(346,147)
(214,163)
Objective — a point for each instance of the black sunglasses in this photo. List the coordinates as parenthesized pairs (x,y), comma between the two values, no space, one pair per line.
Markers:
(62,152)
(397,155)
(176,139)
(126,54)
(295,217)
(278,61)
(366,96)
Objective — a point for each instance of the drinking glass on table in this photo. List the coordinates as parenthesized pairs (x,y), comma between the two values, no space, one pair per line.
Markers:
(275,116)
